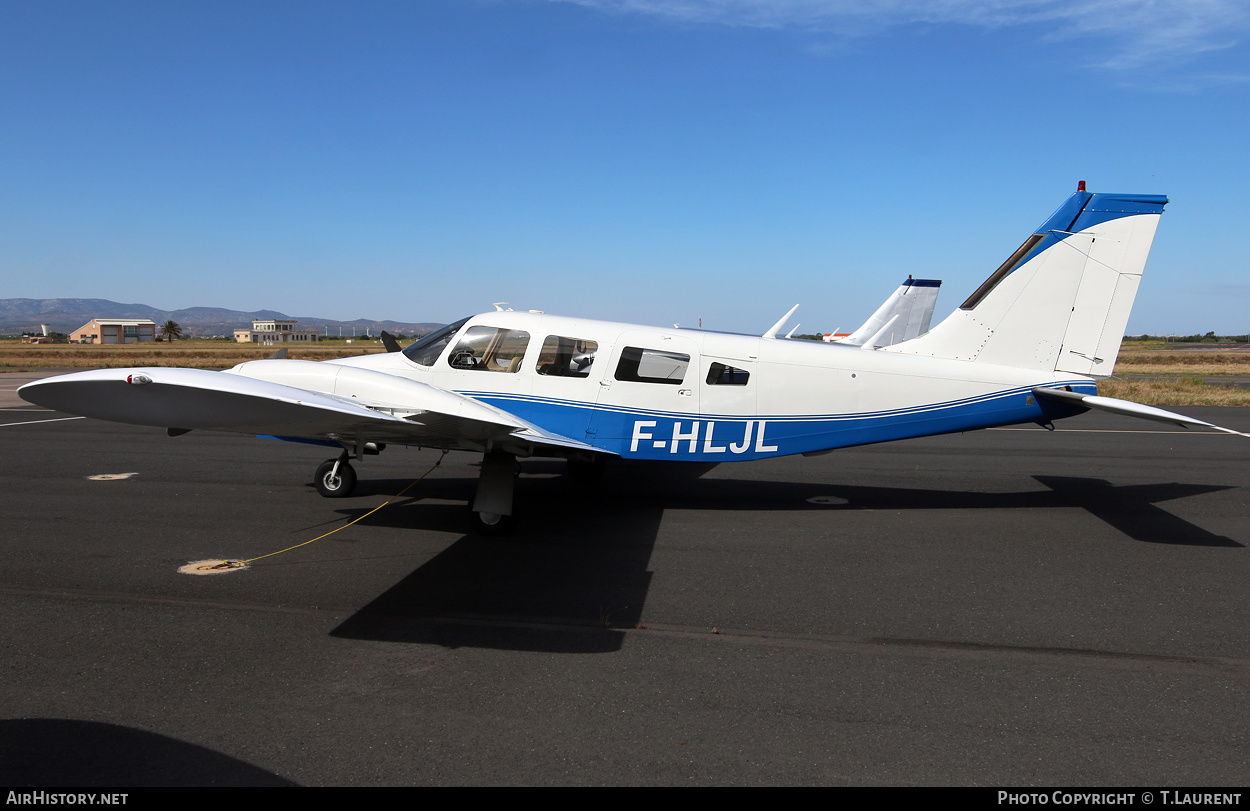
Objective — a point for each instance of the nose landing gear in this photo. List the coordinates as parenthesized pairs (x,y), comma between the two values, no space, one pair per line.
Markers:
(335,478)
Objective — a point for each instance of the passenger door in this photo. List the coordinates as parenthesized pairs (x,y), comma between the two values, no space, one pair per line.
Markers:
(648,400)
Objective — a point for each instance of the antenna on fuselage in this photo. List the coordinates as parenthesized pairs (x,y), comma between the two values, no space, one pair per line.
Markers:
(772,333)
(389,342)
(499,307)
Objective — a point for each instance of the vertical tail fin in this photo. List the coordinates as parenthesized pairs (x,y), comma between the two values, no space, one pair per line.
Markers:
(1062,300)
(904,315)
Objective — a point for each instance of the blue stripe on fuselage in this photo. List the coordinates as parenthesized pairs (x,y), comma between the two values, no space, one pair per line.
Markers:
(645,434)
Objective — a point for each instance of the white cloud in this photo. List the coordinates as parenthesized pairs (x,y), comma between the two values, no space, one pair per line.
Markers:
(1139,31)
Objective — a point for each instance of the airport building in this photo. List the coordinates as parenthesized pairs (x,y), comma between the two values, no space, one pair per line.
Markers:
(274,332)
(115,331)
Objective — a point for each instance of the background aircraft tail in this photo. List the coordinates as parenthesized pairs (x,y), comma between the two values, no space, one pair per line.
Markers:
(1062,300)
(904,315)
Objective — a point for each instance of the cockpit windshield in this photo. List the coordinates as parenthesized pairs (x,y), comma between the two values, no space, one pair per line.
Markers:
(425,350)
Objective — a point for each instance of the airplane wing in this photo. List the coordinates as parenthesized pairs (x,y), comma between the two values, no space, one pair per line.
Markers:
(383,408)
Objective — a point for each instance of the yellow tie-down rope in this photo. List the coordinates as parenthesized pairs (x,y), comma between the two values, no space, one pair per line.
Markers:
(238,564)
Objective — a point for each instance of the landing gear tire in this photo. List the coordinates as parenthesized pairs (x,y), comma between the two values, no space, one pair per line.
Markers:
(491,523)
(332,485)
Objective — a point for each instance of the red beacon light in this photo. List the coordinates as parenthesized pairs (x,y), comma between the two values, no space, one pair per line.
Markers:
(1080,185)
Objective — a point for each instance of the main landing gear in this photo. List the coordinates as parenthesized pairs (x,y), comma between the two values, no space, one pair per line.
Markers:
(492,506)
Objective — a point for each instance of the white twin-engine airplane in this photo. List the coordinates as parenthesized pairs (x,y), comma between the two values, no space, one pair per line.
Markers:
(1025,347)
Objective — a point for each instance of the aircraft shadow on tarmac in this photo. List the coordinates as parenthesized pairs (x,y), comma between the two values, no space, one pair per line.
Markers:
(574,573)
(53,753)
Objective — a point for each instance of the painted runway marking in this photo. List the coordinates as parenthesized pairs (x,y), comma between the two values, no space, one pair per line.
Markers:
(33,422)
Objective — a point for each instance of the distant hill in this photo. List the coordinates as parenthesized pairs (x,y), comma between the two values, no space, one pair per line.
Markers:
(18,315)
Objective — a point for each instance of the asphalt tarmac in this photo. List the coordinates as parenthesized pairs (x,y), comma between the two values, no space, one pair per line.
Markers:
(1007,607)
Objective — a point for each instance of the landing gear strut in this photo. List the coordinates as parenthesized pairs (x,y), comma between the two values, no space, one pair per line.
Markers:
(492,506)
(335,478)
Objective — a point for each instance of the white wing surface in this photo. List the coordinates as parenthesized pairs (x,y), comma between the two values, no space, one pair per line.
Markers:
(381,407)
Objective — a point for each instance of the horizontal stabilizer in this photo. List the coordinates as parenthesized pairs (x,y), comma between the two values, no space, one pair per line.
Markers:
(1126,407)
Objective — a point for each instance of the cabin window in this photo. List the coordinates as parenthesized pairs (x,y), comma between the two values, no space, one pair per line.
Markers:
(721,375)
(566,357)
(652,366)
(490,349)
(426,350)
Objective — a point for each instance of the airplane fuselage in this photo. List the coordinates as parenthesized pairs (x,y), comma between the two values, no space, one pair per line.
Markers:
(678,394)
(1026,346)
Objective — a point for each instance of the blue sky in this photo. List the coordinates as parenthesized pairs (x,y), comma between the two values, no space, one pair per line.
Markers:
(656,161)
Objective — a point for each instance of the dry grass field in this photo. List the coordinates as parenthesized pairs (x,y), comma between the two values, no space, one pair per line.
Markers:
(1175,376)
(194,353)
(1185,361)
(1178,376)
(1181,390)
